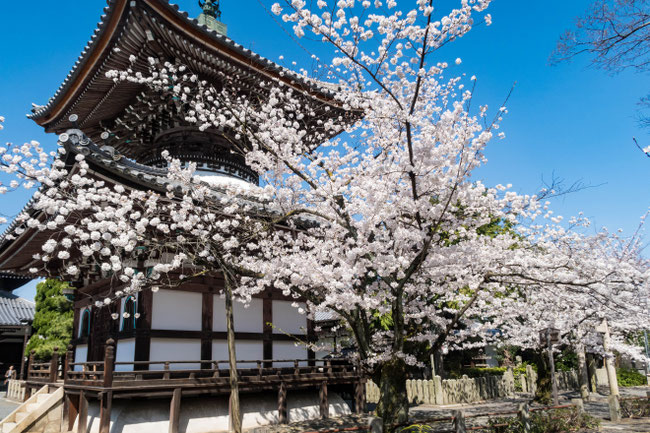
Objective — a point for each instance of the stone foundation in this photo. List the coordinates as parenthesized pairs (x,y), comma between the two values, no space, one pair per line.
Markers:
(210,414)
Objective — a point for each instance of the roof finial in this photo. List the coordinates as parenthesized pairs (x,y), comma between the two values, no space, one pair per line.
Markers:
(211,8)
(211,15)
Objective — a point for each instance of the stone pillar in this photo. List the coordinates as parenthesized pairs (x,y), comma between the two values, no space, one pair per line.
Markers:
(614,408)
(459,421)
(437,391)
(609,364)
(583,375)
(524,417)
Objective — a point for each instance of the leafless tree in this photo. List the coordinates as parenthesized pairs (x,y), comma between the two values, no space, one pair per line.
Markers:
(616,33)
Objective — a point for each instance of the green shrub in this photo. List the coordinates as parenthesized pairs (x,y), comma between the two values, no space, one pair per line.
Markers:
(478,372)
(630,377)
(52,320)
(520,370)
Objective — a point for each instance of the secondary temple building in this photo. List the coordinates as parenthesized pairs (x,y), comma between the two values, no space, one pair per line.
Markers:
(121,128)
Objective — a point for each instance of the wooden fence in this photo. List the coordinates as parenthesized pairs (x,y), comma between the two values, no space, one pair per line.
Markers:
(471,390)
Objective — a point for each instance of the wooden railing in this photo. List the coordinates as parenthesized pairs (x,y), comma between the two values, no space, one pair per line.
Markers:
(45,372)
(109,379)
(159,374)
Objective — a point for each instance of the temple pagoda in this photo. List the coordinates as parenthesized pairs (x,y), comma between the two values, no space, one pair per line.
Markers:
(169,340)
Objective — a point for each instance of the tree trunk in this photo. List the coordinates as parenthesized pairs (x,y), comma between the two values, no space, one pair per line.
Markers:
(235,412)
(543,394)
(393,407)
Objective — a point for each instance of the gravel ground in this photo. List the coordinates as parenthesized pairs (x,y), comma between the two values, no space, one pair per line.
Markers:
(597,407)
(6,406)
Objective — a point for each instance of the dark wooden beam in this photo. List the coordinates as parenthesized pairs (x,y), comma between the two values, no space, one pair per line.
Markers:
(70,411)
(267,320)
(206,327)
(143,325)
(83,413)
(175,411)
(106,404)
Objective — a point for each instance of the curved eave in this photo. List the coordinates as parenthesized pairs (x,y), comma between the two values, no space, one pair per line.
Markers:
(16,254)
(109,29)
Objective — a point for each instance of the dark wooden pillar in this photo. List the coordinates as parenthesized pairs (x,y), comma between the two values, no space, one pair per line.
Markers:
(283,417)
(267,329)
(206,329)
(30,362)
(54,365)
(70,411)
(324,402)
(175,411)
(106,403)
(69,359)
(143,329)
(83,413)
(106,397)
(27,330)
(311,338)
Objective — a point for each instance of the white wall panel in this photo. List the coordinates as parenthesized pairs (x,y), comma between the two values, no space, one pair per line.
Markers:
(287,319)
(125,352)
(288,350)
(247,318)
(244,350)
(177,310)
(175,349)
(80,355)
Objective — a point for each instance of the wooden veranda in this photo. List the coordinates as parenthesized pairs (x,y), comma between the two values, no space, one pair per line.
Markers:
(108,380)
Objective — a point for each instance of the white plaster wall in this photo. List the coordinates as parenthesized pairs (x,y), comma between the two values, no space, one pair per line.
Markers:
(247,318)
(80,355)
(177,310)
(125,353)
(287,319)
(245,351)
(210,414)
(287,350)
(175,349)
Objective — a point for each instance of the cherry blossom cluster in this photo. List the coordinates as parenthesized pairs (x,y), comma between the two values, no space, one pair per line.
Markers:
(366,206)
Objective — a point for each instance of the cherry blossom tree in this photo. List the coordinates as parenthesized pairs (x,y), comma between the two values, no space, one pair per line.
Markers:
(371,213)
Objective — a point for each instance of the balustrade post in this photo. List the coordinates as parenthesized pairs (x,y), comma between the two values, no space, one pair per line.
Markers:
(296,368)
(68,360)
(109,363)
(216,369)
(54,365)
(166,367)
(259,370)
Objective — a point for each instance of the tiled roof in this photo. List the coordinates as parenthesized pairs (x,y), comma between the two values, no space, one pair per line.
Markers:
(14,309)
(217,38)
(325,316)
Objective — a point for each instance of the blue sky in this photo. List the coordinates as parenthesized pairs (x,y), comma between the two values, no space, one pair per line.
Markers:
(569,120)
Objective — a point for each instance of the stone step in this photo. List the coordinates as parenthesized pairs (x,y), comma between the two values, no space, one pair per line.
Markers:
(8,426)
(42,397)
(32,407)
(21,416)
